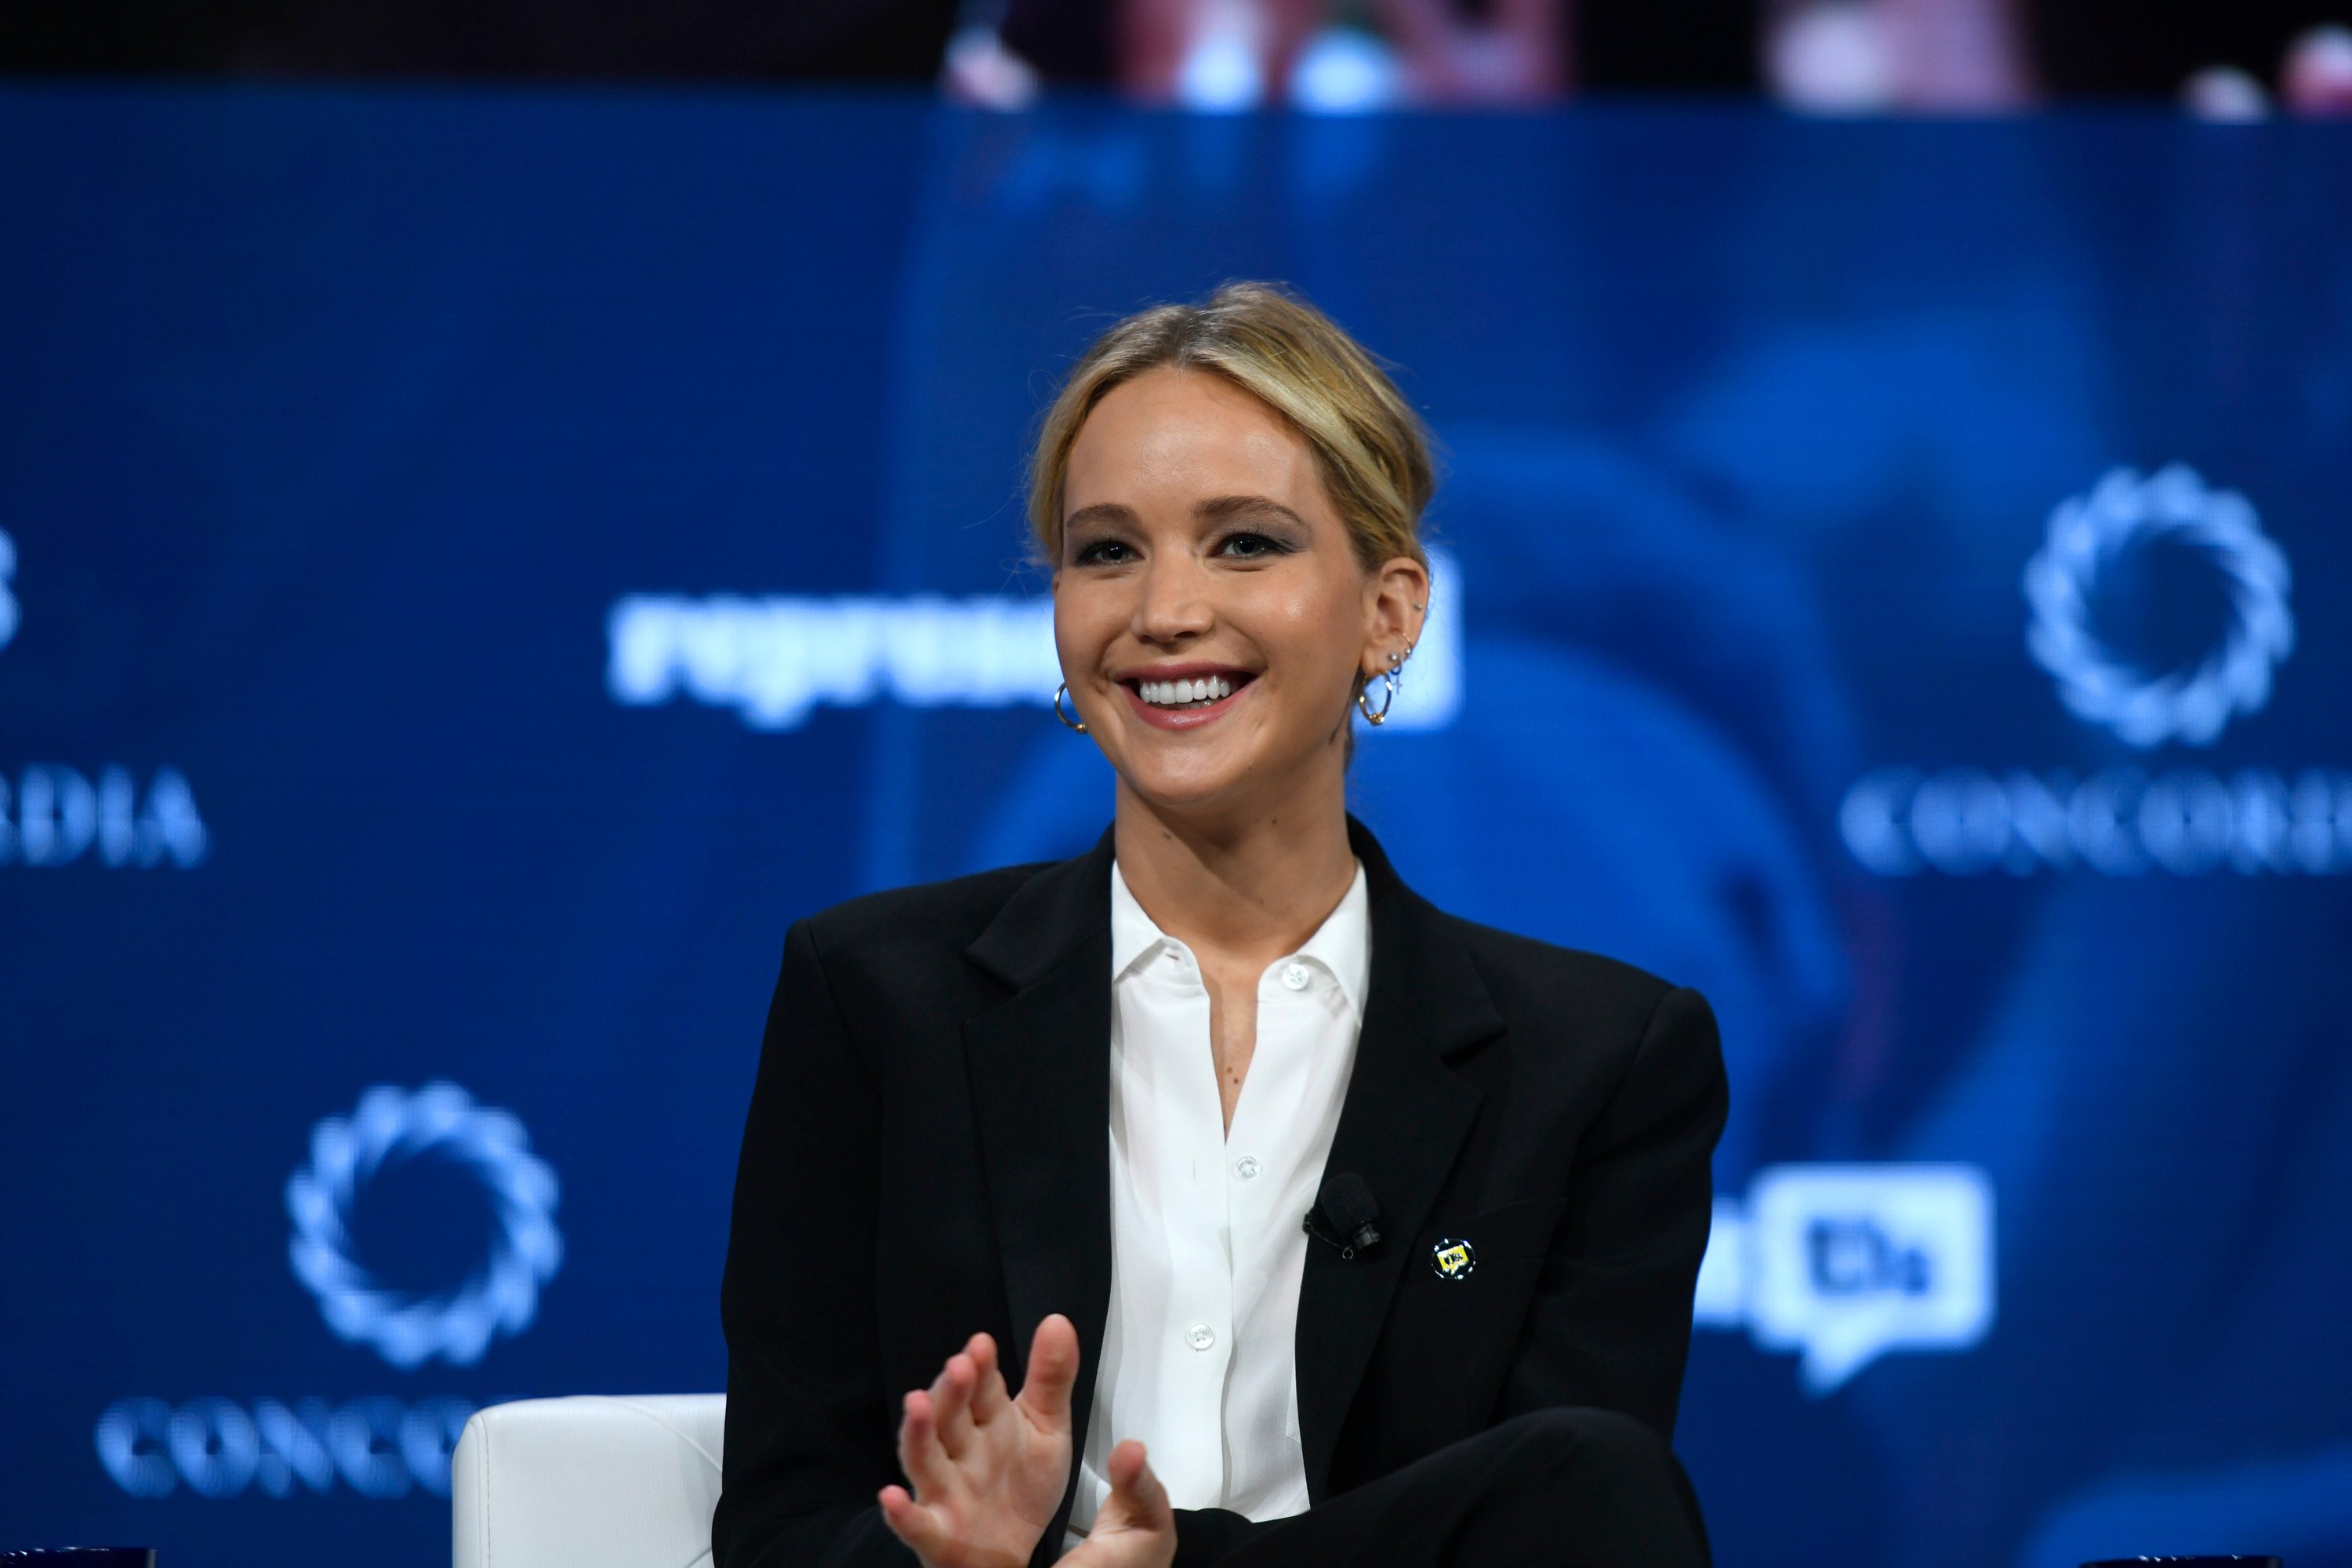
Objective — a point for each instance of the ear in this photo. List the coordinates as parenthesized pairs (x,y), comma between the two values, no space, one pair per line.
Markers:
(1396,605)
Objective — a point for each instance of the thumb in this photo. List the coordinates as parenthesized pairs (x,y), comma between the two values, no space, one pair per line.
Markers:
(1136,1493)
(1053,1369)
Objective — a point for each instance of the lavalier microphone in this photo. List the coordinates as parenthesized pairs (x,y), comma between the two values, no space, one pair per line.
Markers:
(1344,1216)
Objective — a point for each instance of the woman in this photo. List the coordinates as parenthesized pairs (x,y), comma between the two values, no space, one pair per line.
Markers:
(1059,1127)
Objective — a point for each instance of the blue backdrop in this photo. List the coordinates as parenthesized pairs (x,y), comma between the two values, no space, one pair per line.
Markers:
(474,567)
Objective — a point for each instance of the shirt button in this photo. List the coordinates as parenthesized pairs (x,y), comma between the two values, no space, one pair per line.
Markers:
(1295,977)
(1247,1167)
(1201,1337)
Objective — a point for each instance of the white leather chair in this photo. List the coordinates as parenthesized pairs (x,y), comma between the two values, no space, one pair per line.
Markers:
(588,1482)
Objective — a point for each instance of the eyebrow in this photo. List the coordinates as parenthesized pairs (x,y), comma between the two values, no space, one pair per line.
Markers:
(1223,507)
(1102,511)
(1216,509)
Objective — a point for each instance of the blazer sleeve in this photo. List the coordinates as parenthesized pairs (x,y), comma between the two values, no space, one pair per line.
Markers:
(809,1440)
(1611,1323)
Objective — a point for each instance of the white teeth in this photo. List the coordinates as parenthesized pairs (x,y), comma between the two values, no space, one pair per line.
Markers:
(1180,693)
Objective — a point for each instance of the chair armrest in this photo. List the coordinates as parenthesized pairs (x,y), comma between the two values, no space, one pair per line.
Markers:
(588,1482)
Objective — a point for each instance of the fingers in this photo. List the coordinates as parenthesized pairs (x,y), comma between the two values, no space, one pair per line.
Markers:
(951,1403)
(1134,1491)
(911,1521)
(921,1458)
(1053,1369)
(989,1398)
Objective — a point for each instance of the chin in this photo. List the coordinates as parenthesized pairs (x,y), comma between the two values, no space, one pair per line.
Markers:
(1202,785)
(1185,795)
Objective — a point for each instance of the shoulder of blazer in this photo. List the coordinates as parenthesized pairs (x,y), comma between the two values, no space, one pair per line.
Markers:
(1535,983)
(925,906)
(1013,923)
(941,916)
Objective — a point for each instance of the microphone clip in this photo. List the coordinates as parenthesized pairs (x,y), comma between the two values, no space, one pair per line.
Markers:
(1345,1215)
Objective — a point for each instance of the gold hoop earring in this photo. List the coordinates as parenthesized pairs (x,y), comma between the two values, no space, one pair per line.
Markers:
(1079,725)
(1388,700)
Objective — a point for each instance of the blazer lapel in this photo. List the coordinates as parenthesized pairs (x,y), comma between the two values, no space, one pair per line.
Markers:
(1040,1072)
(1400,1126)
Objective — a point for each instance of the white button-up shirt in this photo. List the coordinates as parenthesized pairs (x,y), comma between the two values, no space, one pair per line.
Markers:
(1199,1350)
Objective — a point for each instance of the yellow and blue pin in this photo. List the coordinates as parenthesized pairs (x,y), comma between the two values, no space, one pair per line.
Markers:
(1452,1260)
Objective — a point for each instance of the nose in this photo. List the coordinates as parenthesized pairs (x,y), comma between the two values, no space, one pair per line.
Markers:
(1173,605)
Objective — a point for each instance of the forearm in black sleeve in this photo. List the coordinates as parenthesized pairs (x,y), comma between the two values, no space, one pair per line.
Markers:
(1610,1324)
(809,1440)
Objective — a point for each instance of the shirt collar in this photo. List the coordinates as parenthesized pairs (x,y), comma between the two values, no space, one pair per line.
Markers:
(1341,945)
(1133,935)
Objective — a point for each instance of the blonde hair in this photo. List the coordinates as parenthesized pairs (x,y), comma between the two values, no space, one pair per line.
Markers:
(1368,445)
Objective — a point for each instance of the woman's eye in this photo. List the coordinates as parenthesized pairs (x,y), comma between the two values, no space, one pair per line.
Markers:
(1249,546)
(1105,553)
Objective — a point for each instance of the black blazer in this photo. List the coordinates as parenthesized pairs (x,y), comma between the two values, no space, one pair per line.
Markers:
(926,1157)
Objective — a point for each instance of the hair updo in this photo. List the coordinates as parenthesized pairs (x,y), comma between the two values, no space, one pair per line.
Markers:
(1370,446)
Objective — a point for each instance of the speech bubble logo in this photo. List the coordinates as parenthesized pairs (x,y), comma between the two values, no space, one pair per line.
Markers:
(1847,1262)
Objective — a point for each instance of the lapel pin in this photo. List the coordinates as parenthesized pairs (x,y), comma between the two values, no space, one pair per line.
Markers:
(1452,1260)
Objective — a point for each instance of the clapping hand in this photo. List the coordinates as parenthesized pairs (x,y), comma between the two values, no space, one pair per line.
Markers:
(989,1469)
(1134,1528)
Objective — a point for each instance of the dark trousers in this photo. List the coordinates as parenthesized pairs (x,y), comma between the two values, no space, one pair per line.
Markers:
(1559,1489)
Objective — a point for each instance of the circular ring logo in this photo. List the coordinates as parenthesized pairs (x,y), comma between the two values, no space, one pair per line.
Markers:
(407,1328)
(2194,703)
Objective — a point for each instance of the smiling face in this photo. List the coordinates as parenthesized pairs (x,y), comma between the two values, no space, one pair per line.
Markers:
(1209,607)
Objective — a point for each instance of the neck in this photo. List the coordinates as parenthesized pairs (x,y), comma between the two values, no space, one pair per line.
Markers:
(1254,884)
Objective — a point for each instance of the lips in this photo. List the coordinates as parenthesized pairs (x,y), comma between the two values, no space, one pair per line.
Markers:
(1186,696)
